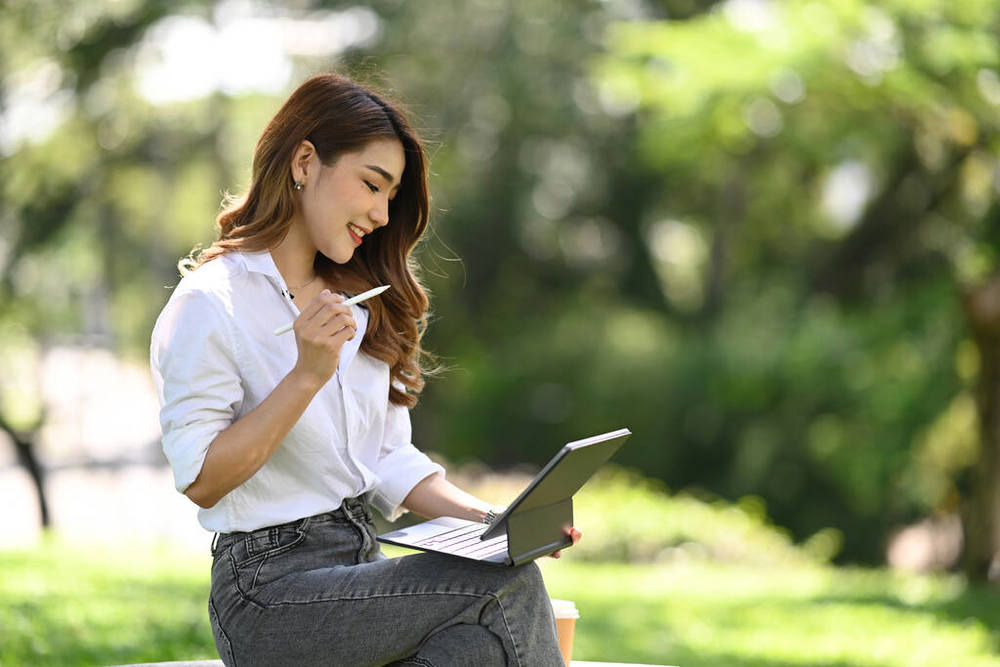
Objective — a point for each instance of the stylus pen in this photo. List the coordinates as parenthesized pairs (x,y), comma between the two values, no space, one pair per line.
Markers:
(350,302)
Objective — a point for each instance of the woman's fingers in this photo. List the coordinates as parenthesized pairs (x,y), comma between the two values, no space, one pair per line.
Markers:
(321,306)
(321,331)
(342,334)
(324,316)
(328,309)
(332,326)
(574,535)
(321,299)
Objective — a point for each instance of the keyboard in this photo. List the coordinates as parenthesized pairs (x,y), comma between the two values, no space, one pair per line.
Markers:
(465,541)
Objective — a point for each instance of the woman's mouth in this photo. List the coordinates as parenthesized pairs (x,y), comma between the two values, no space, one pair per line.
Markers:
(357,233)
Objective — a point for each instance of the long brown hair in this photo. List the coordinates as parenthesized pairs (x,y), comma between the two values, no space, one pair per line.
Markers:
(338,116)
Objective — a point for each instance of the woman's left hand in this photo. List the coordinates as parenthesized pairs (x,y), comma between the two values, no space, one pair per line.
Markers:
(574,535)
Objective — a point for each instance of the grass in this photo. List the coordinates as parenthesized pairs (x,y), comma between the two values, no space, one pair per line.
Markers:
(703,613)
(66,605)
(63,605)
(686,582)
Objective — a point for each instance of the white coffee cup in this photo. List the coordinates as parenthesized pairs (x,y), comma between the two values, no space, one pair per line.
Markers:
(566,614)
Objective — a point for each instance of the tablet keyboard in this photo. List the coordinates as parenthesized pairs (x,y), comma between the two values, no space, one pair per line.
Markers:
(465,541)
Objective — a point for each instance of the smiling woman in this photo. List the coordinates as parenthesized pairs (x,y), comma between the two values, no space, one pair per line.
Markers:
(310,179)
(285,442)
(359,185)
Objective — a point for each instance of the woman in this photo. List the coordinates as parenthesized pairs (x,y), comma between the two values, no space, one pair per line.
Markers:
(284,441)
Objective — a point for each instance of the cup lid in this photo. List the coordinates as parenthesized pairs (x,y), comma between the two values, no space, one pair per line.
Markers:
(564,609)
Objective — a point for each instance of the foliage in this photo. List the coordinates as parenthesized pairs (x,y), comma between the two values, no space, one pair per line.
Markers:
(737,228)
(631,519)
(830,323)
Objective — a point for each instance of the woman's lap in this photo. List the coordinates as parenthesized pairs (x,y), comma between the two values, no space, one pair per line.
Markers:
(320,592)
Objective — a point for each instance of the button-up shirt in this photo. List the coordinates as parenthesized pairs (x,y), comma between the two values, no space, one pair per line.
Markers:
(215,357)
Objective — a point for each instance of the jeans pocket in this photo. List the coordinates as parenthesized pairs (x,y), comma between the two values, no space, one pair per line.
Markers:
(257,555)
(260,544)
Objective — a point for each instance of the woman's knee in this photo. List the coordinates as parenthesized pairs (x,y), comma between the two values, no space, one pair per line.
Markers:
(525,583)
(530,576)
(462,644)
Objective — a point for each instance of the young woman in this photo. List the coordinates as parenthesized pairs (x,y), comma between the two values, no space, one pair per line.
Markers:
(285,441)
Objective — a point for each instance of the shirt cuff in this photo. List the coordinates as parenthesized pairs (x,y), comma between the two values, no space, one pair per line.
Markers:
(398,473)
(185,450)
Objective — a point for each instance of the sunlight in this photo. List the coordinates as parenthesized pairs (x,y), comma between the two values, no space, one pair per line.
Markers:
(246,49)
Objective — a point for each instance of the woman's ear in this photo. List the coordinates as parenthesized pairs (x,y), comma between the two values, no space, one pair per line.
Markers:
(302,161)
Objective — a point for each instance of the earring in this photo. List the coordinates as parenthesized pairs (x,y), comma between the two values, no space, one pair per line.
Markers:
(298,185)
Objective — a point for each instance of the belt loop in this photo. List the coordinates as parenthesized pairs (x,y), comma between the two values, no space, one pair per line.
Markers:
(215,542)
(361,526)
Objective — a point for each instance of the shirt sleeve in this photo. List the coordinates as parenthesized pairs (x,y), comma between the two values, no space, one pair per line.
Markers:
(197,380)
(400,464)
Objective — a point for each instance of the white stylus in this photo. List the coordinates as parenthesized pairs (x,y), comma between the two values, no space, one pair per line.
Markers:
(350,302)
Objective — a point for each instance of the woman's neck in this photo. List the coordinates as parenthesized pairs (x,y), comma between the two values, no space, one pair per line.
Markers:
(295,258)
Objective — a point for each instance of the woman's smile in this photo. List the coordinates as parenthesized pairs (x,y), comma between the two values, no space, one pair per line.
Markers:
(357,233)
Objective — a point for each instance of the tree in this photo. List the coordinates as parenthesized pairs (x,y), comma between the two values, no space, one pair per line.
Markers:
(738,228)
(77,259)
(792,110)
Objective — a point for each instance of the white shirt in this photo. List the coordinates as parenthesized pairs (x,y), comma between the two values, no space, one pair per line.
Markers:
(215,357)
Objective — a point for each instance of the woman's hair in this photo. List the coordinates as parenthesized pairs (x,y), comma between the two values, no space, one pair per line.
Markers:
(339,116)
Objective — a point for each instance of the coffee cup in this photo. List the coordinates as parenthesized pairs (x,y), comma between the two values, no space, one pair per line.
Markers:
(566,614)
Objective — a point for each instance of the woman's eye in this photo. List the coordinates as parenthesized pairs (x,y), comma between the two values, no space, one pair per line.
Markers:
(371,186)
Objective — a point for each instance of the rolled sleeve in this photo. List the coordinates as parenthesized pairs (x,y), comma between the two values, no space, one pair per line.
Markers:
(401,466)
(197,380)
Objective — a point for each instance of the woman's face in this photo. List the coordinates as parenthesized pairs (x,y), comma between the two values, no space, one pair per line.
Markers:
(341,204)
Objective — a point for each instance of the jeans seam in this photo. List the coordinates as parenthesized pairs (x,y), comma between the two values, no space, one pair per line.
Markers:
(503,615)
(372,597)
(256,574)
(415,660)
(274,551)
(236,584)
(222,632)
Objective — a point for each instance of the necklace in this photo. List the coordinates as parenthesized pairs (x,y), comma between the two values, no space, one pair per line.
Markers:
(306,284)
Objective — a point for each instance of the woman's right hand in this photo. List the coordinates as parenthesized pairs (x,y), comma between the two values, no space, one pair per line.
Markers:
(320,332)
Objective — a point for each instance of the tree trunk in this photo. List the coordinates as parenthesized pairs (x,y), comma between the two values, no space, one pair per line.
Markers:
(980,507)
(24,445)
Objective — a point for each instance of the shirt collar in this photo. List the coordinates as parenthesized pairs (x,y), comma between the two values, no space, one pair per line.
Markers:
(261,262)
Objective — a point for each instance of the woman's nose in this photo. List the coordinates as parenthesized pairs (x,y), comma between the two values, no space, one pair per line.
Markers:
(380,213)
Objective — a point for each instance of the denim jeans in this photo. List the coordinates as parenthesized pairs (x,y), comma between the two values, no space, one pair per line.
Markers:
(318,591)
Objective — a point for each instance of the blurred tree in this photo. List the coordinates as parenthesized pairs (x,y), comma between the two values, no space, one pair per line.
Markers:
(80,160)
(738,228)
(839,150)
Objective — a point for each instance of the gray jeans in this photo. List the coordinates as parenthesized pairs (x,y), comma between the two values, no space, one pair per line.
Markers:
(318,591)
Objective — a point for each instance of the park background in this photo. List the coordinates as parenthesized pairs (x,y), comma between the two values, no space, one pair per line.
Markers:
(762,234)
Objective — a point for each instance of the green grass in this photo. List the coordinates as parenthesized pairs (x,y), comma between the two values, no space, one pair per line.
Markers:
(702,613)
(62,605)
(658,578)
(65,605)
